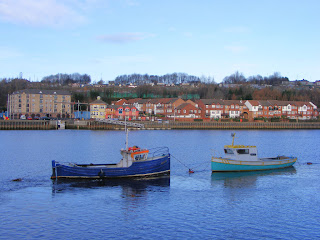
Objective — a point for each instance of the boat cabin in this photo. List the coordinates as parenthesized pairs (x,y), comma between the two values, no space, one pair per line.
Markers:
(241,152)
(132,154)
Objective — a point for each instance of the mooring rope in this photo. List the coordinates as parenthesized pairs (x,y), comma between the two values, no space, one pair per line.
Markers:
(179,161)
(191,170)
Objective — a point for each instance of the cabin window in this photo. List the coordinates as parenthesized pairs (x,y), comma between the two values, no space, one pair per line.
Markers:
(139,157)
(243,151)
(228,151)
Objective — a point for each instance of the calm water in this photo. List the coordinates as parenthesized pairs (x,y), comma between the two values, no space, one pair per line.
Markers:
(281,204)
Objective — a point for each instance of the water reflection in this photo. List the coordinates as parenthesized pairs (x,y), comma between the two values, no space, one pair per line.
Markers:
(246,179)
(130,187)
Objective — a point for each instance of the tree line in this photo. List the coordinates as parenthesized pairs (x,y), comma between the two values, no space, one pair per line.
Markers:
(142,79)
(65,79)
(240,88)
(238,78)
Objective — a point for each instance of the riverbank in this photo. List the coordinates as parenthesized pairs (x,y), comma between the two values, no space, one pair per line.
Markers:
(93,125)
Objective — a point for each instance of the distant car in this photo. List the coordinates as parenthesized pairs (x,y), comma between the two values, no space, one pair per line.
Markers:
(45,118)
(36,118)
(29,118)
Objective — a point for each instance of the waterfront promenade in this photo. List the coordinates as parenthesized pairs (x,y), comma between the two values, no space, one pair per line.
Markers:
(93,125)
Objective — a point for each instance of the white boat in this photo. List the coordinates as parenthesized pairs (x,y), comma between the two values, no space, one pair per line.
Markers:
(245,158)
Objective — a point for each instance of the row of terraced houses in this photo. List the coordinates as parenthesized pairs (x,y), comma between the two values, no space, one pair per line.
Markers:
(206,109)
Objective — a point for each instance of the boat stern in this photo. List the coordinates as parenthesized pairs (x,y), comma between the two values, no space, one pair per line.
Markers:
(54,172)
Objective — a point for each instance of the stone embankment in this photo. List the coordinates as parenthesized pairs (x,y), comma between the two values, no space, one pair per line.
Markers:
(93,125)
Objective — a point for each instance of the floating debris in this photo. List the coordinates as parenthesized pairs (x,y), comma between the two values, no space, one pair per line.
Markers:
(17,180)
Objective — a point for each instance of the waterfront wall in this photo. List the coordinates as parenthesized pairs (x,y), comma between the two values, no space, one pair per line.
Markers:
(235,125)
(25,125)
(93,125)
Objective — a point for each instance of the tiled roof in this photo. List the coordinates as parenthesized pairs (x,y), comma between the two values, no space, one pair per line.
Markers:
(234,102)
(98,101)
(212,101)
(183,105)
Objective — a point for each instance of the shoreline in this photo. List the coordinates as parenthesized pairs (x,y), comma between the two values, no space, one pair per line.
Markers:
(93,125)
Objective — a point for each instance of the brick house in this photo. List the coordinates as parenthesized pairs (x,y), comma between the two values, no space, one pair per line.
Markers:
(274,108)
(218,108)
(211,108)
(235,109)
(121,112)
(187,110)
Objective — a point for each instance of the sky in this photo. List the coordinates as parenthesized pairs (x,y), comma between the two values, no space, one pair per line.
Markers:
(108,38)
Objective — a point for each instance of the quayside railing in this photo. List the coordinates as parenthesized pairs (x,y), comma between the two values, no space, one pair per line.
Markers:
(123,123)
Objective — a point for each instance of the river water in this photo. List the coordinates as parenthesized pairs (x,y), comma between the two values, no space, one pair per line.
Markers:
(279,204)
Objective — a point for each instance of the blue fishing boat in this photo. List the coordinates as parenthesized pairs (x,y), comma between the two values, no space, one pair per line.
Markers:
(245,158)
(135,162)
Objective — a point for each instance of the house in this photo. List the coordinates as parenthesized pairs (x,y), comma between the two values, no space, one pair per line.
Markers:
(235,109)
(166,106)
(187,110)
(140,104)
(274,108)
(98,109)
(121,112)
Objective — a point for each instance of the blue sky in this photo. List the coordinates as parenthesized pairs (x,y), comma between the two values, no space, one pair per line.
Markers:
(107,38)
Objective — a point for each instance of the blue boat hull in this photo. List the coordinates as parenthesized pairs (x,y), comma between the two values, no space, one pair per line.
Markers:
(156,166)
(226,165)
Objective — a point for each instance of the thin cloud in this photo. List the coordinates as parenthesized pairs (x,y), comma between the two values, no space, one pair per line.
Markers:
(52,13)
(124,37)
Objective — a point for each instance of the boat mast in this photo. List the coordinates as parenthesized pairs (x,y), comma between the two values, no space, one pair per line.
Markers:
(126,130)
(233,135)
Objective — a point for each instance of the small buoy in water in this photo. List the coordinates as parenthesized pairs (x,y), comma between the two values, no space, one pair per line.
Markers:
(309,163)
(190,170)
(17,180)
